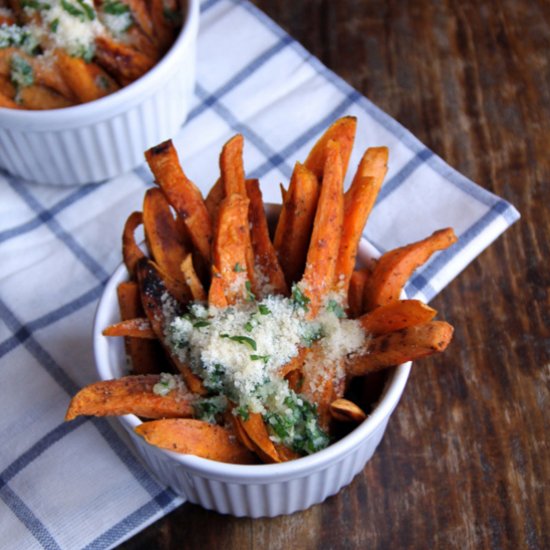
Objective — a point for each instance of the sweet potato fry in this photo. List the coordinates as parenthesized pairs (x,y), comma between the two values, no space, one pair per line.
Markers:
(7,102)
(192,280)
(231,167)
(131,395)
(195,437)
(358,203)
(343,132)
(131,252)
(6,19)
(213,200)
(356,289)
(318,278)
(267,270)
(140,14)
(396,316)
(44,74)
(120,60)
(7,88)
(176,287)
(256,430)
(157,302)
(240,433)
(86,81)
(165,16)
(41,97)
(345,410)
(183,195)
(395,267)
(230,250)
(135,328)
(161,233)
(216,292)
(394,348)
(145,356)
(323,382)
(295,222)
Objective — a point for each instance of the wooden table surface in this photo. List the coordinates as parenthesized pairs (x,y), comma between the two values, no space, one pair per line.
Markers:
(465,462)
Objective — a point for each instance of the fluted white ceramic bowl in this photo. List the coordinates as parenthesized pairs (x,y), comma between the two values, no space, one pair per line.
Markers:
(257,490)
(104,138)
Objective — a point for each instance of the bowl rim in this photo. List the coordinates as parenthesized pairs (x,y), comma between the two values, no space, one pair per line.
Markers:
(123,98)
(257,473)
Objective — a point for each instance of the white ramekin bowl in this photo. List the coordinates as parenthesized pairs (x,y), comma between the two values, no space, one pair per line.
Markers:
(104,138)
(259,490)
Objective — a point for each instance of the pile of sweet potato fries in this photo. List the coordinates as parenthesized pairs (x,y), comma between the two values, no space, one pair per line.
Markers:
(39,71)
(194,248)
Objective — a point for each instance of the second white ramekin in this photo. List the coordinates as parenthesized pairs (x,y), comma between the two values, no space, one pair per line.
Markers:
(104,138)
(258,490)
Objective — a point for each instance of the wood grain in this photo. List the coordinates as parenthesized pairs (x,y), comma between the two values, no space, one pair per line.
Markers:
(465,461)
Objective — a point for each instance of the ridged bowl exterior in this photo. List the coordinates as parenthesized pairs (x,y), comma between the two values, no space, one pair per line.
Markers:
(107,137)
(264,490)
(258,499)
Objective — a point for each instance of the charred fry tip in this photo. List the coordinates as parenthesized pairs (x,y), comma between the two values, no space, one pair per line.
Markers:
(159,149)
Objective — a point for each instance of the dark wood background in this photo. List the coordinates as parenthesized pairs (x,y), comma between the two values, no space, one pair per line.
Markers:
(465,462)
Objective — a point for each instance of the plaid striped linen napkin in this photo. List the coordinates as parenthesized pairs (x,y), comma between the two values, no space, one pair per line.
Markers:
(76,485)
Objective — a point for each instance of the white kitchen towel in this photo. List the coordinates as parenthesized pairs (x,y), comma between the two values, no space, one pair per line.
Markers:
(76,485)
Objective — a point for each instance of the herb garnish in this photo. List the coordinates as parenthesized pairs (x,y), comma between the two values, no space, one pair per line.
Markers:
(115,7)
(243,413)
(299,298)
(298,429)
(85,11)
(250,296)
(214,380)
(207,408)
(21,73)
(336,308)
(263,309)
(35,5)
(238,268)
(241,340)
(264,358)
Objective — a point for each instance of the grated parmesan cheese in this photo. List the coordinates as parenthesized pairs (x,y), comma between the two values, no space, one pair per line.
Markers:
(239,352)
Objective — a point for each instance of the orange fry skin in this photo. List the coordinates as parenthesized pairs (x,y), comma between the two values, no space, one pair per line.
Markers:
(131,252)
(394,268)
(293,230)
(120,60)
(266,265)
(342,132)
(358,203)
(192,280)
(130,395)
(213,199)
(231,166)
(256,430)
(183,195)
(162,234)
(195,437)
(135,328)
(322,255)
(87,81)
(396,316)
(356,289)
(230,251)
(397,347)
(146,356)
